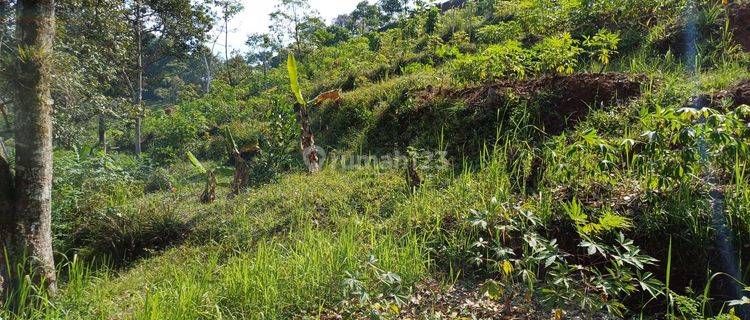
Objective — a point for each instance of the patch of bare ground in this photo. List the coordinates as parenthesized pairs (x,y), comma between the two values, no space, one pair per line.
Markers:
(739,21)
(564,100)
(739,94)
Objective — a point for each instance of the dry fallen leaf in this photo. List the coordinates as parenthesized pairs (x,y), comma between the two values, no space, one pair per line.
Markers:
(334,95)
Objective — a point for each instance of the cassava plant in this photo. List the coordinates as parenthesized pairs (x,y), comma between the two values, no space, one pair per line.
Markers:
(511,241)
(602,46)
(558,54)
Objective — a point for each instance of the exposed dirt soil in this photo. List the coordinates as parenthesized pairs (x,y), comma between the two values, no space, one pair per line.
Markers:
(564,100)
(739,19)
(737,95)
(469,118)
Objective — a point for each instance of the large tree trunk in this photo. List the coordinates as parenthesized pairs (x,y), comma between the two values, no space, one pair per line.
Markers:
(139,97)
(209,77)
(226,32)
(27,216)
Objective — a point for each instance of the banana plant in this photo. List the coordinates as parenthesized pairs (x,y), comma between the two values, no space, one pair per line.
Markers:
(241,168)
(301,109)
(209,192)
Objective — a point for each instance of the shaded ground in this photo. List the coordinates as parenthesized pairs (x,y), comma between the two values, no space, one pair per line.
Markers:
(739,19)
(469,118)
(562,100)
(729,99)
(739,93)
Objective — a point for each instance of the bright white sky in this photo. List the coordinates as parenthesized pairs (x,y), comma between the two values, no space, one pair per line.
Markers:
(255,19)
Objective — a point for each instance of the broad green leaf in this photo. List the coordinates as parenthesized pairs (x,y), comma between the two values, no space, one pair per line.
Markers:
(291,66)
(230,139)
(197,164)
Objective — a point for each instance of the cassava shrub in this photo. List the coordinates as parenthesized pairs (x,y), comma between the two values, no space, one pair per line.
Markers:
(557,54)
(507,60)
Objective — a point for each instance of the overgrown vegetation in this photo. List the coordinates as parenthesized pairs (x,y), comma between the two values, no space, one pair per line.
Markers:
(598,169)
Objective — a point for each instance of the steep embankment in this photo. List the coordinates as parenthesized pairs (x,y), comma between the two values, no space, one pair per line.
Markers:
(410,112)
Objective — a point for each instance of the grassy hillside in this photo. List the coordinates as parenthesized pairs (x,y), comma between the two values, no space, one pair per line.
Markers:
(598,169)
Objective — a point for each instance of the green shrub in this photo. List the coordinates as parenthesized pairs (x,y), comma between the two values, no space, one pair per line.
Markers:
(416,67)
(602,46)
(540,17)
(169,134)
(557,54)
(432,20)
(159,181)
(86,184)
(516,250)
(125,233)
(441,50)
(508,60)
(499,33)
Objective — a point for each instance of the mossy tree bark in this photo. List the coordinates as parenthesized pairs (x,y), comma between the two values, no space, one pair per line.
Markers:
(26,208)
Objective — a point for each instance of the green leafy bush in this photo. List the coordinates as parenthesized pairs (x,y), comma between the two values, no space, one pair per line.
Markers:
(501,32)
(557,54)
(159,181)
(508,60)
(509,241)
(431,20)
(88,182)
(168,134)
(416,67)
(602,46)
(540,17)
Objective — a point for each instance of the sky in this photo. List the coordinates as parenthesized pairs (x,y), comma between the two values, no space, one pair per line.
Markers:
(254,19)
